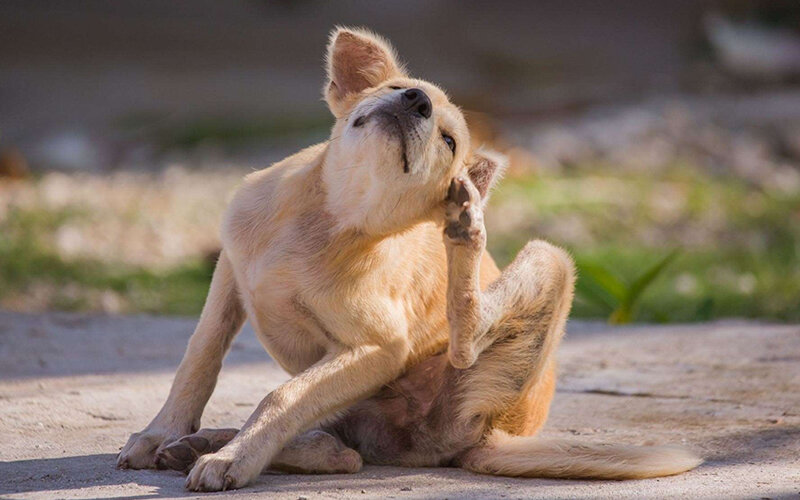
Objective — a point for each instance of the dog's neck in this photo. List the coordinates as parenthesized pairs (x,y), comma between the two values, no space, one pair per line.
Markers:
(361,206)
(342,243)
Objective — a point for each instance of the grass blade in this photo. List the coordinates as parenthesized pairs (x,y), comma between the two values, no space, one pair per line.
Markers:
(624,313)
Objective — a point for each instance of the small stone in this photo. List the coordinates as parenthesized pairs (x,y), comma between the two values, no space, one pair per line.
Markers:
(405,488)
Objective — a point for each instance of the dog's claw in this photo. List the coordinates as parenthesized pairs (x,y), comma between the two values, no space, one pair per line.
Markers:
(463,194)
(451,191)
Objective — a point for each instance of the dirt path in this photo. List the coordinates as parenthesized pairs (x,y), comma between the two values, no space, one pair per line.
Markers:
(73,387)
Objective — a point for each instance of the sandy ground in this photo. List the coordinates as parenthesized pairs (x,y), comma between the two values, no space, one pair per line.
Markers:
(73,387)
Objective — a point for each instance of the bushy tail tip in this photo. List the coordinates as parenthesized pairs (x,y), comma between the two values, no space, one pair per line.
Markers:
(507,455)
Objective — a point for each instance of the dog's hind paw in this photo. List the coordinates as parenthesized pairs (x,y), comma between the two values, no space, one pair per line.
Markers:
(181,455)
(464,214)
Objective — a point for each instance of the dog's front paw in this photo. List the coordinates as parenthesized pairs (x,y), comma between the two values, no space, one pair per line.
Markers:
(140,450)
(220,471)
(463,214)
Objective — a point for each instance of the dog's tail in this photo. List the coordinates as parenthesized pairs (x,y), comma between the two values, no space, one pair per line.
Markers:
(506,455)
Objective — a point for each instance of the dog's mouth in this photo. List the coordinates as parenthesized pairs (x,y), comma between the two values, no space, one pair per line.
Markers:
(402,145)
(391,124)
(393,121)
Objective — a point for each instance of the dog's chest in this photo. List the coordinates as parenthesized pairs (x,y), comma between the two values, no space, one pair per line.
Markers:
(308,293)
(300,312)
(271,291)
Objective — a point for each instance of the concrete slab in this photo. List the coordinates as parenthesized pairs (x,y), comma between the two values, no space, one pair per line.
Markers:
(73,387)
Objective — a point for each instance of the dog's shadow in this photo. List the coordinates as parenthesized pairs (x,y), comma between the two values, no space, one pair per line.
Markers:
(66,476)
(59,477)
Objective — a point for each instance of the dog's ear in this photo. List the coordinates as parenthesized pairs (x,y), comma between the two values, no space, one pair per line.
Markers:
(485,167)
(356,60)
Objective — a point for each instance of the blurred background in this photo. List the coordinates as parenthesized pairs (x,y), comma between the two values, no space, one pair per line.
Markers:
(659,141)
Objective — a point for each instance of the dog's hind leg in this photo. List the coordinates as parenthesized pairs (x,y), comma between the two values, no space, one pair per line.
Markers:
(502,344)
(503,338)
(317,452)
(312,452)
(501,353)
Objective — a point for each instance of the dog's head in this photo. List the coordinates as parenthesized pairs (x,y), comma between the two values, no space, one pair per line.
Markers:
(397,141)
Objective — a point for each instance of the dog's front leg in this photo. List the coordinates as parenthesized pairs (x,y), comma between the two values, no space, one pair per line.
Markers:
(338,380)
(222,317)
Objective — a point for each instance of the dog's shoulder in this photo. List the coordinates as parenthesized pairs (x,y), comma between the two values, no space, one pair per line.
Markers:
(273,196)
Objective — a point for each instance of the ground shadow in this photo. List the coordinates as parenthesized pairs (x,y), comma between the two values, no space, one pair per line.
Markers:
(68,344)
(66,476)
(72,473)
(97,471)
(59,344)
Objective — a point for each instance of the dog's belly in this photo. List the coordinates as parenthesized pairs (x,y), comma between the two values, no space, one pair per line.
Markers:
(413,421)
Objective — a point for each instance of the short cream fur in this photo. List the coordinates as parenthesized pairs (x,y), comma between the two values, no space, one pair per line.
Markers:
(361,264)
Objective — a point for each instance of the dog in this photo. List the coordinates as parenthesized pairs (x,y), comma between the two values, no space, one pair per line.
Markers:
(361,264)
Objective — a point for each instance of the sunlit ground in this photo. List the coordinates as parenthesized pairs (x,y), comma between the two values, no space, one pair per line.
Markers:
(145,242)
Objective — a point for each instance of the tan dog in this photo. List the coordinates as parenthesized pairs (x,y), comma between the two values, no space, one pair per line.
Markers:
(337,257)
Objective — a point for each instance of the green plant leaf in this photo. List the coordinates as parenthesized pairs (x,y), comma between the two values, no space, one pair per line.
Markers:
(606,279)
(595,287)
(624,313)
(705,311)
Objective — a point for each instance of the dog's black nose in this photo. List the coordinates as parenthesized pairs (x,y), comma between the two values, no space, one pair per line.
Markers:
(417,101)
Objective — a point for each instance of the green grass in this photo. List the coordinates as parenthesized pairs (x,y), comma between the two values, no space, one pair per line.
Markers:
(735,249)
(28,262)
(618,297)
(738,246)
(727,284)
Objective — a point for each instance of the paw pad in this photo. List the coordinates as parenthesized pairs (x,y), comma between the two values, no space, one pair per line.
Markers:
(464,217)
